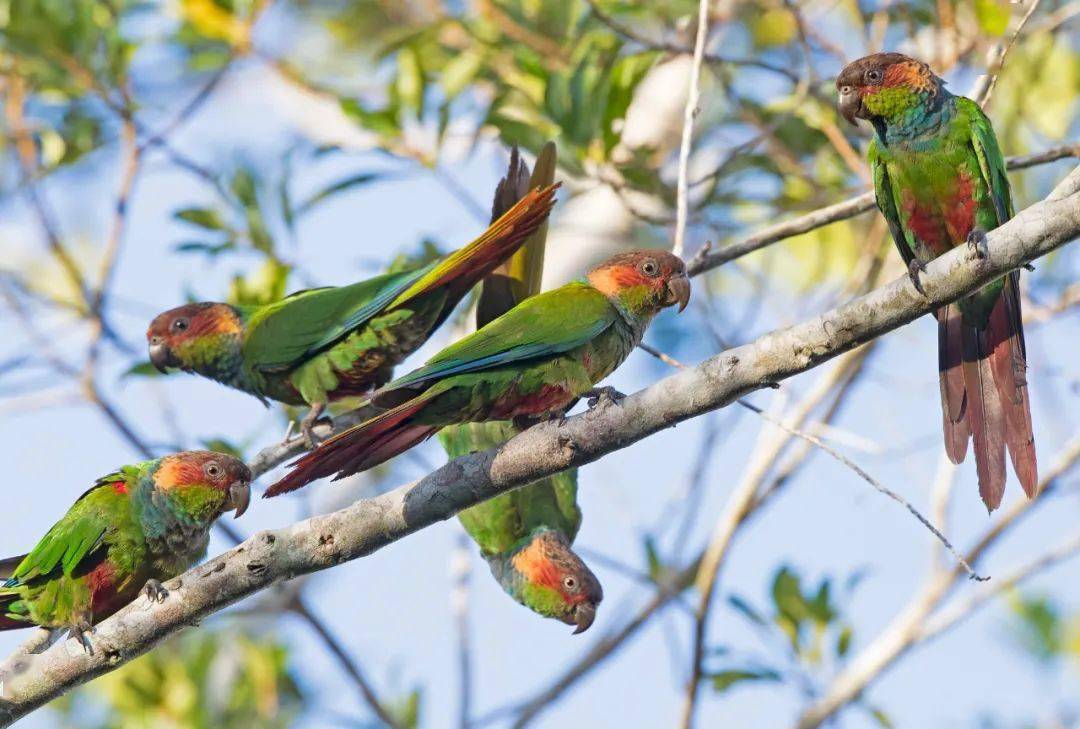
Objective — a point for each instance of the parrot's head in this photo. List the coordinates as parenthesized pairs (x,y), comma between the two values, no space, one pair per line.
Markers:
(204,338)
(886,88)
(547,577)
(203,485)
(643,282)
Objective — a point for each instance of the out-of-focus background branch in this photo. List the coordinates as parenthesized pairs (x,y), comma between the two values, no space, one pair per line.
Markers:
(241,149)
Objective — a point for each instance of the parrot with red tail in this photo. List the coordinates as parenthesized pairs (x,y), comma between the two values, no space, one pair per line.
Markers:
(526,535)
(535,361)
(940,182)
(320,345)
(136,527)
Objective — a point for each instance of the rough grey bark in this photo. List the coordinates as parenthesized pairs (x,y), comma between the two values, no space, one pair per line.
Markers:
(368,525)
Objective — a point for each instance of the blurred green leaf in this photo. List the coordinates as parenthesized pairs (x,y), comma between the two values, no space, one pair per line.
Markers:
(993,15)
(202,217)
(724,680)
(343,185)
(140,369)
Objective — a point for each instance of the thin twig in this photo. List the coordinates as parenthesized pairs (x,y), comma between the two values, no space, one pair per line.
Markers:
(859,471)
(693,97)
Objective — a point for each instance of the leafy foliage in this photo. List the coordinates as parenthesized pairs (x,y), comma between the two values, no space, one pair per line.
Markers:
(221,679)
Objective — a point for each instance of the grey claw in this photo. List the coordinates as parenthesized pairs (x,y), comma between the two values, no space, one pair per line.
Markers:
(914,269)
(155,591)
(606,395)
(976,241)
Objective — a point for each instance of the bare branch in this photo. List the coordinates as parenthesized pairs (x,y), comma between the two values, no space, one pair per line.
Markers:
(707,259)
(693,97)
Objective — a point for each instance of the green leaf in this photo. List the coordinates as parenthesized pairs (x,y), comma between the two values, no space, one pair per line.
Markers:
(357,180)
(460,72)
(410,80)
(843,641)
(724,680)
(993,16)
(220,445)
(202,217)
(140,369)
(746,609)
(880,717)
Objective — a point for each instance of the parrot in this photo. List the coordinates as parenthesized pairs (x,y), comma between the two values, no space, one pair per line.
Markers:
(939,179)
(134,528)
(525,535)
(533,362)
(324,344)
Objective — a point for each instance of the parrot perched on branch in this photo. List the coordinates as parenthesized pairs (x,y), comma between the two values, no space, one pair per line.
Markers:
(526,535)
(324,344)
(136,527)
(940,182)
(534,361)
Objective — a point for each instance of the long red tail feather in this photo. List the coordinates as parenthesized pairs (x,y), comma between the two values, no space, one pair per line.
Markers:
(951,374)
(359,448)
(464,268)
(984,395)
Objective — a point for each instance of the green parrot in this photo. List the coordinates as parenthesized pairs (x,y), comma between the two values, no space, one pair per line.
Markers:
(526,535)
(534,361)
(940,182)
(324,344)
(135,528)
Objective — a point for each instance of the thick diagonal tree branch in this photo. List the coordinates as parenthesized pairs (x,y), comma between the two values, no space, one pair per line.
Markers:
(368,525)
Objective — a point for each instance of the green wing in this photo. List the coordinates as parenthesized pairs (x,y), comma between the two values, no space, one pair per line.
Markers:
(549,323)
(886,202)
(991,161)
(78,535)
(285,334)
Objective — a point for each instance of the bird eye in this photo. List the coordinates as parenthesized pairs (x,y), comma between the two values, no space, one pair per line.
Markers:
(570,582)
(180,325)
(212,469)
(845,90)
(649,267)
(873,76)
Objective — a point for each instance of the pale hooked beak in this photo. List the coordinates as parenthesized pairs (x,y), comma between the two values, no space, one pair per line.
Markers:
(239,497)
(160,356)
(849,104)
(584,615)
(678,290)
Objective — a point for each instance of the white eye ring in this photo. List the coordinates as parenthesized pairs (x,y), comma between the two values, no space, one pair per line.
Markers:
(569,583)
(873,75)
(845,90)
(649,268)
(213,470)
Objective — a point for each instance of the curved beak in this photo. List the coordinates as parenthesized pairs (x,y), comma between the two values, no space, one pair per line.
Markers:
(584,615)
(849,106)
(239,497)
(160,356)
(678,291)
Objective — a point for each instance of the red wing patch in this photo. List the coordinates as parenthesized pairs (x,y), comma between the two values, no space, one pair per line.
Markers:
(547,399)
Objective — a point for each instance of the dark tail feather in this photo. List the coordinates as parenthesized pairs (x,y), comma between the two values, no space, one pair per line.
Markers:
(951,375)
(1008,359)
(359,448)
(985,416)
(7,566)
(8,623)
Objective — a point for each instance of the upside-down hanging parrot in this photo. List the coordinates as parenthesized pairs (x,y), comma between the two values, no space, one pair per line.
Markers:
(534,361)
(940,182)
(324,344)
(136,527)
(525,535)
